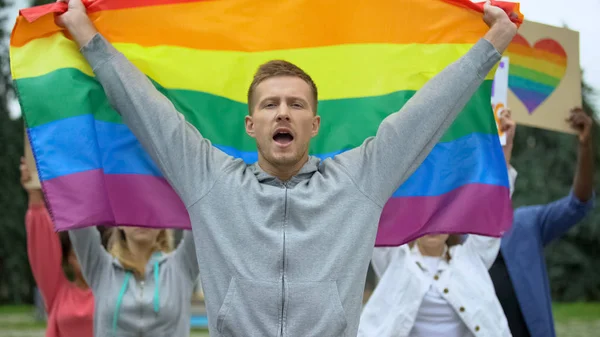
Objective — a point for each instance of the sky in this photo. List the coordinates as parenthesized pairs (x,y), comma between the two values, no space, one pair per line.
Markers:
(579,15)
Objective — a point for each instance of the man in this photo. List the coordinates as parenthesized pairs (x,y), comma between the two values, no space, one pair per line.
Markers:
(285,242)
(519,272)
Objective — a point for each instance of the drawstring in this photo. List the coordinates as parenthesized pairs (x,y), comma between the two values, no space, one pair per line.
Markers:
(156,299)
(119,300)
(156,286)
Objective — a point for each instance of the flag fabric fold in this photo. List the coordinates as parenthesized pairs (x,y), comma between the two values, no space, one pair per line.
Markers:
(367,59)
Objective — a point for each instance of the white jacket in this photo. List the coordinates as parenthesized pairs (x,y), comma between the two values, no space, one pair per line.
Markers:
(464,282)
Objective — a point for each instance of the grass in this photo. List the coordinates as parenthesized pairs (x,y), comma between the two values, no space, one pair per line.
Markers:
(20,320)
(577,319)
(23,326)
(572,320)
(579,311)
(199,333)
(15,309)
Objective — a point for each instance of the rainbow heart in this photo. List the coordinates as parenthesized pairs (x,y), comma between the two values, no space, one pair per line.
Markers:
(536,71)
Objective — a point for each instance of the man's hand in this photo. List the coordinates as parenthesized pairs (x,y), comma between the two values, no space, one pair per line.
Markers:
(582,123)
(77,22)
(493,15)
(584,175)
(502,29)
(35,194)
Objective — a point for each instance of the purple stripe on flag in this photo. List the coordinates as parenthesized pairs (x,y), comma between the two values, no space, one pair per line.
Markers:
(405,219)
(114,199)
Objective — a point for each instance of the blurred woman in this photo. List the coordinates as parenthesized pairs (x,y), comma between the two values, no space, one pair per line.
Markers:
(435,286)
(142,286)
(68,301)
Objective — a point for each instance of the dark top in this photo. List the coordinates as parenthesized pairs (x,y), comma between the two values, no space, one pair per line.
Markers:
(508,298)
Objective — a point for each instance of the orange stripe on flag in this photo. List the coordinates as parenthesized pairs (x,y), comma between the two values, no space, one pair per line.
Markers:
(302,24)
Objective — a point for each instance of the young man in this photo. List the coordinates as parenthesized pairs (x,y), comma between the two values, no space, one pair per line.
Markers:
(519,272)
(285,243)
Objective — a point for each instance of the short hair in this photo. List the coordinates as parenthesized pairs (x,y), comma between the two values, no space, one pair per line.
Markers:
(276,68)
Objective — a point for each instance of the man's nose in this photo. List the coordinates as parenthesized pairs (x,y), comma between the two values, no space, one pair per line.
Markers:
(283,113)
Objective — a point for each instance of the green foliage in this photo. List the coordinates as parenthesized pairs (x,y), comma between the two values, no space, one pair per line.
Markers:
(546,162)
(15,280)
(42,2)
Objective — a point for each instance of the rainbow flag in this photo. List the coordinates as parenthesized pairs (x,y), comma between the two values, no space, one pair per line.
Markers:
(367,58)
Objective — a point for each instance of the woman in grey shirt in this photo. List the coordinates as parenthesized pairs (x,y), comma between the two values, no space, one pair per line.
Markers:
(141,286)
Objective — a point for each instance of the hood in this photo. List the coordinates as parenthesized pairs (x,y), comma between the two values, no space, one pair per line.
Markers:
(156,259)
(309,168)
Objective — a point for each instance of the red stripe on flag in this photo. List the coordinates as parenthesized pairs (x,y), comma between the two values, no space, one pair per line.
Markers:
(508,7)
(34,13)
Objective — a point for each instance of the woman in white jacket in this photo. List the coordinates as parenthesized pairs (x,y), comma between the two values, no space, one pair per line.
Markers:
(435,288)
(438,285)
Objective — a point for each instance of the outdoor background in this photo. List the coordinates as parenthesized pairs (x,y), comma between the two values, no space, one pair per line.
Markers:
(545,161)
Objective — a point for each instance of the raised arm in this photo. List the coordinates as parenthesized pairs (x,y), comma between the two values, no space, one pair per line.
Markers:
(44,250)
(43,245)
(406,137)
(94,260)
(583,182)
(556,218)
(509,128)
(185,255)
(382,257)
(187,160)
(485,247)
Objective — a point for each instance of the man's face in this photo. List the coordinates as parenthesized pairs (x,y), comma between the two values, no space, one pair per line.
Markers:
(283,120)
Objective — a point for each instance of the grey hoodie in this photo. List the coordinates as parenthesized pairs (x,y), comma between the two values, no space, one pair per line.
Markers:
(286,258)
(156,306)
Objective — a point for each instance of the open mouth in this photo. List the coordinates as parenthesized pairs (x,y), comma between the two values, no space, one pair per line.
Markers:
(283,137)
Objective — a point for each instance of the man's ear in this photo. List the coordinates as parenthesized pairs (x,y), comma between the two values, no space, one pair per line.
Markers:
(249,126)
(316,125)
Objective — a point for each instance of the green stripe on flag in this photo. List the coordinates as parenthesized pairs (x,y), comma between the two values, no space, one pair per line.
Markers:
(222,120)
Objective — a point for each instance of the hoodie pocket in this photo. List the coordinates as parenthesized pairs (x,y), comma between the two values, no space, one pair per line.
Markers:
(314,309)
(250,308)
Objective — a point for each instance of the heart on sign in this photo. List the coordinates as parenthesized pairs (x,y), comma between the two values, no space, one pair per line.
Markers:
(535,72)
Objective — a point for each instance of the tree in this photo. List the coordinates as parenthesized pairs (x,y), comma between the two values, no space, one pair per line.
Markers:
(15,280)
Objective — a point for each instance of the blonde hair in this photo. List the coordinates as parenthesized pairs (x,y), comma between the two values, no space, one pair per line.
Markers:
(117,247)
